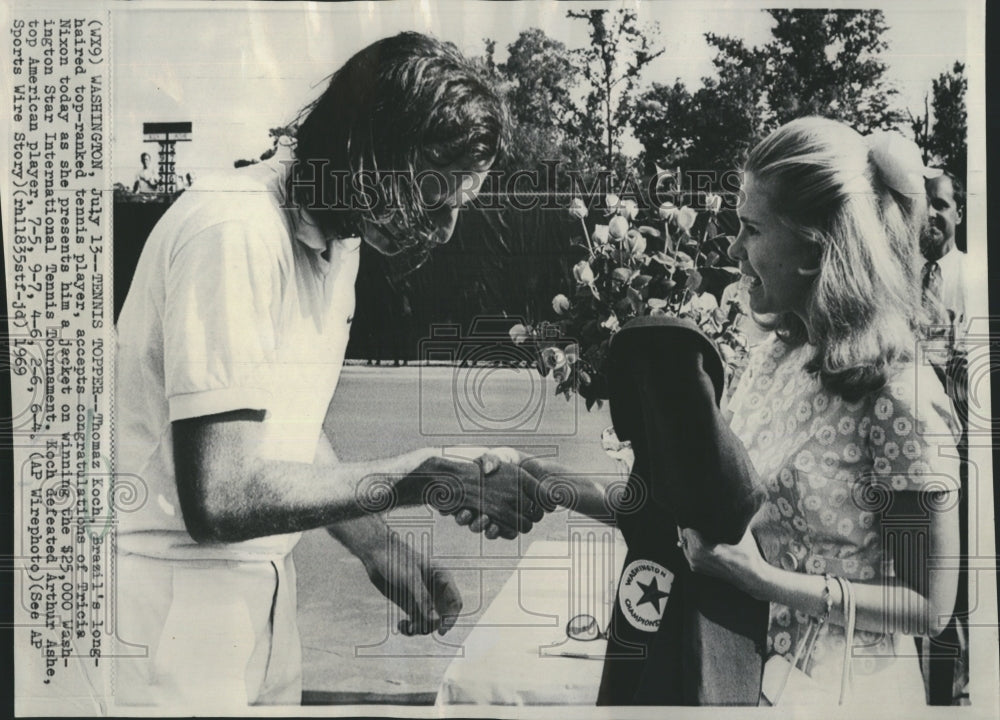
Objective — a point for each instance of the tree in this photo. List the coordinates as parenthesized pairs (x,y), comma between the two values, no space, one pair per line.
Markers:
(619,49)
(947,141)
(708,130)
(537,79)
(921,127)
(818,62)
(284,135)
(828,62)
(665,117)
(540,76)
(712,128)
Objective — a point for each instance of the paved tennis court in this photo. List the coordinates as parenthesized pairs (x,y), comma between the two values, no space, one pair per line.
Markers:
(345,623)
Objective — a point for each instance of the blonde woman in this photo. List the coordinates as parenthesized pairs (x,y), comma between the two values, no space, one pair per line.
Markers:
(851,436)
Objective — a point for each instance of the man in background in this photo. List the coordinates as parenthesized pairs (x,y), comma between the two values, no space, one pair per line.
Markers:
(944,296)
(146,179)
(943,273)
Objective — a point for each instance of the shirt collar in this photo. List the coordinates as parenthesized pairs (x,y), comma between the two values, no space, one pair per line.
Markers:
(952,258)
(304,228)
(308,233)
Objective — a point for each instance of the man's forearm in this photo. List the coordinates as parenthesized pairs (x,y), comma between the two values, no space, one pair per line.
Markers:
(228,494)
(331,493)
(363,536)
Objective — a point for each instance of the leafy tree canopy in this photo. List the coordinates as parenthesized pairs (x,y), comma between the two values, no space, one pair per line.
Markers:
(817,62)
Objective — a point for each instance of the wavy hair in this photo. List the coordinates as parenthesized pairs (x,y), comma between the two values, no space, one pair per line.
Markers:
(403,104)
(865,309)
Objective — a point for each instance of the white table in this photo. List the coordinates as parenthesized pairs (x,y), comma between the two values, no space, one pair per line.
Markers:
(518,653)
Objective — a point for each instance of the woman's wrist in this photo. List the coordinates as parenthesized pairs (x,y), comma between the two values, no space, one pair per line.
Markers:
(760,581)
(804,592)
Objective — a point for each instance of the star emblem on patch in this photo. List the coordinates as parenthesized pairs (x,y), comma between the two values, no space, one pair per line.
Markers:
(643,593)
(651,593)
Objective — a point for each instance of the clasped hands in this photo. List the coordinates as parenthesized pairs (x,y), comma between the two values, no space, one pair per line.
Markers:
(493,493)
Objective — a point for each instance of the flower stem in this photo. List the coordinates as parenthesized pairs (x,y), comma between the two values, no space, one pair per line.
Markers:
(704,237)
(666,234)
(586,235)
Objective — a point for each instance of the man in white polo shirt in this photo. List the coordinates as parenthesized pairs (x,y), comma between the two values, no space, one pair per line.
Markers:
(230,346)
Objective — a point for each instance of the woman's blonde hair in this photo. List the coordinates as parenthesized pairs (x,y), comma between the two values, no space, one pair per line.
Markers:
(865,308)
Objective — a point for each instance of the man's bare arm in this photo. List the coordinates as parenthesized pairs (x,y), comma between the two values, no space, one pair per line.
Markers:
(229,493)
(425,592)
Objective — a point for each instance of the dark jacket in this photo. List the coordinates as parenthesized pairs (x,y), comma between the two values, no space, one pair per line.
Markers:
(665,380)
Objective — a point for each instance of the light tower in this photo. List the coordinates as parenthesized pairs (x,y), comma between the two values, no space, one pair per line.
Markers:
(167,134)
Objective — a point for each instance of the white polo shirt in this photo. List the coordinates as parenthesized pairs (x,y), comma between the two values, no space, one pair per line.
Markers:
(236,303)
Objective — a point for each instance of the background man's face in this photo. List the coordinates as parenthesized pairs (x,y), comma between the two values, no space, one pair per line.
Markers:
(943,216)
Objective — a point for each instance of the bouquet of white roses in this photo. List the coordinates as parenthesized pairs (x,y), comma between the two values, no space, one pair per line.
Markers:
(629,269)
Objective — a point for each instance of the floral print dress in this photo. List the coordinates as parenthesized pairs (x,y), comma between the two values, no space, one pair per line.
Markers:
(832,469)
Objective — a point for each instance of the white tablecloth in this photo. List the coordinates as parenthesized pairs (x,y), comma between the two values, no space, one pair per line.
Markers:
(518,653)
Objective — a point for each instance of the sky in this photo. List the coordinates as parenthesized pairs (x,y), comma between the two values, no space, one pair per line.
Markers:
(236,69)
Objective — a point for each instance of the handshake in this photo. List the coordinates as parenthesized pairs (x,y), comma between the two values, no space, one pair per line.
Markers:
(499,492)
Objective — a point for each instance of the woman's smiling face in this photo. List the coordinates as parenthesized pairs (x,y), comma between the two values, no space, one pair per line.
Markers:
(771,256)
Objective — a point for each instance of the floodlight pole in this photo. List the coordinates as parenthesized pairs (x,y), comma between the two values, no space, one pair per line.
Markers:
(167,135)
